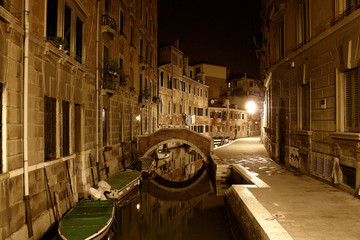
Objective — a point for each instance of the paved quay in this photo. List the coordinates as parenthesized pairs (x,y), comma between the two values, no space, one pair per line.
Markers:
(307,208)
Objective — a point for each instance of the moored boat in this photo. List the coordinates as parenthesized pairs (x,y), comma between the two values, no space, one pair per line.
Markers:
(89,220)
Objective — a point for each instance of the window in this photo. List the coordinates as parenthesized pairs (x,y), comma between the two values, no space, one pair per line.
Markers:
(194,91)
(120,127)
(141,8)
(104,125)
(131,126)
(131,35)
(161,79)
(174,108)
(161,106)
(107,6)
(189,110)
(66,127)
(141,49)
(121,22)
(191,73)
(219,115)
(280,42)
(200,111)
(206,112)
(251,83)
(352,100)
(62,32)
(50,128)
(169,85)
(189,88)
(169,107)
(51,19)
(121,63)
(141,83)
(305,107)
(1,89)
(175,80)
(303,23)
(200,92)
(181,109)
(194,110)
(197,70)
(79,34)
(67,26)
(211,114)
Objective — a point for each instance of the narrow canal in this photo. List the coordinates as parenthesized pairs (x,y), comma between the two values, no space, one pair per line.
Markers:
(144,216)
(178,211)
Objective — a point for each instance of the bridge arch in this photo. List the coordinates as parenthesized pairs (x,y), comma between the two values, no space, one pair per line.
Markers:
(201,143)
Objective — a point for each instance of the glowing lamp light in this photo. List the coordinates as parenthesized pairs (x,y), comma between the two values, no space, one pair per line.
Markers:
(251,107)
(138,117)
(138,206)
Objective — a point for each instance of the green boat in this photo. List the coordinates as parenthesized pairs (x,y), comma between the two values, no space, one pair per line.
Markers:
(87,220)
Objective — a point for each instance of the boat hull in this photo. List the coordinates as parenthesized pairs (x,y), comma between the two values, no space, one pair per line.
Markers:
(89,220)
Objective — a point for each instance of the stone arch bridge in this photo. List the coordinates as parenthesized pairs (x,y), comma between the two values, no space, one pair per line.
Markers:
(201,143)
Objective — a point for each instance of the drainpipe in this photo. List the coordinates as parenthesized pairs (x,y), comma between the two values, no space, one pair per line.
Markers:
(26,90)
(97,88)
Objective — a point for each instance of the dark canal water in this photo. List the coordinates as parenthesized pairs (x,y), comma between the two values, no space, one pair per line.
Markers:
(143,216)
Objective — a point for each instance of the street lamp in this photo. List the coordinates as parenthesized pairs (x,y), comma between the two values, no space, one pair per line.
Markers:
(251,107)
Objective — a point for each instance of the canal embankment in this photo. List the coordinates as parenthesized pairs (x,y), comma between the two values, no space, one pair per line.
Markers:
(304,207)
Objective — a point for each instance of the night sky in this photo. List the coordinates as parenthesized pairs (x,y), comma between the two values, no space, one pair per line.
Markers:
(216,31)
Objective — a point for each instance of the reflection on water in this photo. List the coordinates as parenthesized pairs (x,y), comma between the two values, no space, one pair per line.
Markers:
(177,161)
(143,216)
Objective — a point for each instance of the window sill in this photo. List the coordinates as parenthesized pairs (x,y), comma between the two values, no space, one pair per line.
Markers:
(345,135)
(303,132)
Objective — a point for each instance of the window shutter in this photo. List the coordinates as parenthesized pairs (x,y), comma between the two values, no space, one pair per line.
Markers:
(356,97)
(352,100)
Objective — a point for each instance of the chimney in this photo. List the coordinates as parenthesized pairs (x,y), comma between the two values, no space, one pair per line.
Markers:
(176,43)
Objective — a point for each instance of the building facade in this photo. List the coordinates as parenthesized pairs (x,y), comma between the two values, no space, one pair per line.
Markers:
(213,75)
(227,121)
(310,65)
(71,101)
(183,99)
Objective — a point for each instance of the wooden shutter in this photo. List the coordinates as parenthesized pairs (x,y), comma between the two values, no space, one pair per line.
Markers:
(66,126)
(50,128)
(352,100)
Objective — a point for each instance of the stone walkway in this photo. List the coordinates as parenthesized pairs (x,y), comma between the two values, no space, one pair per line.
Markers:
(305,207)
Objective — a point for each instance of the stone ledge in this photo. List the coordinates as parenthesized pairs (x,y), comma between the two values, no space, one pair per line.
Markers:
(249,177)
(345,135)
(249,211)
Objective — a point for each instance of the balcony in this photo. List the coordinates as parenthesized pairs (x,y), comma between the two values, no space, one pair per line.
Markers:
(113,81)
(108,25)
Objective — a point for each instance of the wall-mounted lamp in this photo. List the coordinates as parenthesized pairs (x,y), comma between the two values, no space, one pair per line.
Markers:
(292,64)
(138,117)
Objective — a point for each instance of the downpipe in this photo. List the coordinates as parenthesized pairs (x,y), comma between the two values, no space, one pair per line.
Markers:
(26,97)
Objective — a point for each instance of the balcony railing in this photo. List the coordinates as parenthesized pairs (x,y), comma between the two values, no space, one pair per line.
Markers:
(112,81)
(109,81)
(109,21)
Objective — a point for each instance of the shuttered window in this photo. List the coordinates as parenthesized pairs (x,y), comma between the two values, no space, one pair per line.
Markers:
(50,128)
(352,100)
(66,126)
(1,90)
